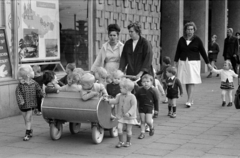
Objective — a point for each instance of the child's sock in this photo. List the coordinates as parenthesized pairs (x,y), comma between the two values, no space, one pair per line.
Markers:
(174,109)
(129,138)
(120,137)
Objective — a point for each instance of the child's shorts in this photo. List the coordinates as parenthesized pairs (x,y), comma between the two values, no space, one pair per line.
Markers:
(26,110)
(146,110)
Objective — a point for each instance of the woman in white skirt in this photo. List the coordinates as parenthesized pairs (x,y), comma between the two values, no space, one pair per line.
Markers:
(187,58)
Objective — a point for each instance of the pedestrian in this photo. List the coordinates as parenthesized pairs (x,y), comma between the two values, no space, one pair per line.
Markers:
(163,76)
(38,77)
(126,105)
(113,88)
(110,53)
(27,92)
(187,60)
(213,50)
(148,100)
(226,75)
(173,88)
(91,89)
(230,51)
(137,54)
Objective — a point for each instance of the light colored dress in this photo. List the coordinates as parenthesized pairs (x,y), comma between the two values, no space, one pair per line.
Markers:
(108,57)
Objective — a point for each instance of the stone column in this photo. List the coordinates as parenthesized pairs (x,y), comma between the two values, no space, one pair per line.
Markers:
(219,25)
(172,26)
(234,15)
(198,12)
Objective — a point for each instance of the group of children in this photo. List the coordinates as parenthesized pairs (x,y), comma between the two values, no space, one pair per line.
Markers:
(124,95)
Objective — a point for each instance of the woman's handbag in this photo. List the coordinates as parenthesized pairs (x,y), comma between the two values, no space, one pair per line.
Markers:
(237,98)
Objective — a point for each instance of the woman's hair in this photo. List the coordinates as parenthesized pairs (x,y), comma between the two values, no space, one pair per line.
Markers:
(237,33)
(229,64)
(136,26)
(79,71)
(73,77)
(48,76)
(71,66)
(147,76)
(87,78)
(113,27)
(117,73)
(127,84)
(101,72)
(190,24)
(167,60)
(25,71)
(172,70)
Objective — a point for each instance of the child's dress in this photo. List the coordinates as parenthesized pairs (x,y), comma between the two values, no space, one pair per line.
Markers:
(226,78)
(173,85)
(125,104)
(27,94)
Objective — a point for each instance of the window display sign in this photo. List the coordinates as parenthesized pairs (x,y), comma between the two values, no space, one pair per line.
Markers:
(5,63)
(39,30)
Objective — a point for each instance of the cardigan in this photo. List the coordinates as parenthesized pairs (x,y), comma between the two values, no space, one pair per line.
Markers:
(191,51)
(138,60)
(101,57)
(225,74)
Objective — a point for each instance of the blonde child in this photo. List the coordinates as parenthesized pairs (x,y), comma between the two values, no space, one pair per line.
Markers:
(148,100)
(101,75)
(69,69)
(90,89)
(126,105)
(72,86)
(114,88)
(226,75)
(27,92)
(38,77)
(173,85)
(79,71)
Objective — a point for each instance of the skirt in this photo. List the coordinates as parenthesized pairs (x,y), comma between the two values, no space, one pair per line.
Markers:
(128,121)
(189,71)
(227,85)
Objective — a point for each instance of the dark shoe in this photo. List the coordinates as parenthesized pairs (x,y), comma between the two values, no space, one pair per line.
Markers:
(217,75)
(141,136)
(31,133)
(210,75)
(151,133)
(223,103)
(229,104)
(120,144)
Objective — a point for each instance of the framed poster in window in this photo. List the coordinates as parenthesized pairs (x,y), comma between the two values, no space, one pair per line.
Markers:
(5,62)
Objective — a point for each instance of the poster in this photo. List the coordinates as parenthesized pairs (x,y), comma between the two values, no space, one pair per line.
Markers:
(5,63)
(39,30)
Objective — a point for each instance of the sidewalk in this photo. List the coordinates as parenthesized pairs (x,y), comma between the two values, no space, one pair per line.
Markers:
(206,130)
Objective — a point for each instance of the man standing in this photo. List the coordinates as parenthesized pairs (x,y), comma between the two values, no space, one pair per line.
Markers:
(230,51)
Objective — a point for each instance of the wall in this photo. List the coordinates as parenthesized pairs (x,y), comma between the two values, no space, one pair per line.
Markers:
(123,12)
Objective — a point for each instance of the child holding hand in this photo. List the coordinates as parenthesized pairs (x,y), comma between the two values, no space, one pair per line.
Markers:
(27,92)
(226,75)
(126,105)
(90,89)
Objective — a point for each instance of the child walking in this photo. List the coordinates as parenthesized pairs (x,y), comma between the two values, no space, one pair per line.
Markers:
(173,85)
(226,75)
(126,105)
(27,92)
(148,100)
(166,64)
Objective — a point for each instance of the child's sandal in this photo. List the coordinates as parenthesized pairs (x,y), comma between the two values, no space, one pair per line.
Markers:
(26,138)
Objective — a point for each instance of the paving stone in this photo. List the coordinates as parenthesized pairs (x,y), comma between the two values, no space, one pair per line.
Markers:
(224,151)
(187,152)
(195,146)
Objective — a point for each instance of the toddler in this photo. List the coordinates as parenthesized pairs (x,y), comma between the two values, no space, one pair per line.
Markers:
(101,75)
(148,99)
(173,85)
(114,88)
(166,64)
(72,86)
(39,79)
(51,82)
(226,75)
(79,71)
(69,69)
(126,105)
(27,92)
(90,89)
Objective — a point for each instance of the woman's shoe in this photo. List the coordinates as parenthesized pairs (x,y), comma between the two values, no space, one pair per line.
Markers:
(188,104)
(141,136)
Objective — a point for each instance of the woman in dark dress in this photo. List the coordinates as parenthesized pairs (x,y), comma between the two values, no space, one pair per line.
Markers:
(213,50)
